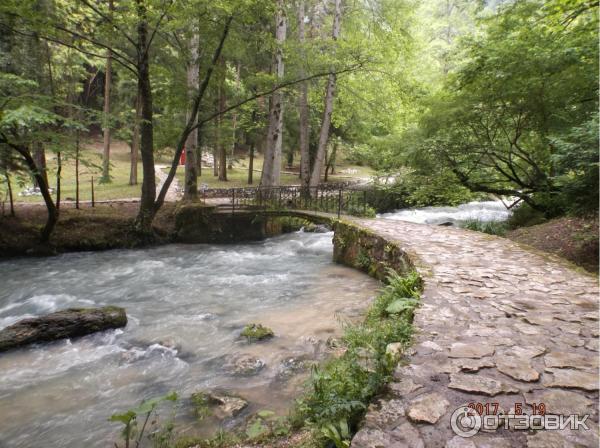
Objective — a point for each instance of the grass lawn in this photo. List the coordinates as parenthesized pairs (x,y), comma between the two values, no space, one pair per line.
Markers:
(90,165)
(238,176)
(119,188)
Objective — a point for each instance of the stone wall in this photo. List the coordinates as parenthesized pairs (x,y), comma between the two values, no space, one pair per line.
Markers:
(364,250)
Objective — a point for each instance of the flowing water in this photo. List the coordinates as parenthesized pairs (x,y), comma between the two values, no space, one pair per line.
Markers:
(485,211)
(186,305)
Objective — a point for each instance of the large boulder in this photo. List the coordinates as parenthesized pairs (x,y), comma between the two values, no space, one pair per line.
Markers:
(67,323)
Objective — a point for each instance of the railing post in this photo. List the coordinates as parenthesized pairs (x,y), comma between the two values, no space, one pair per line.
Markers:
(339,203)
(232,201)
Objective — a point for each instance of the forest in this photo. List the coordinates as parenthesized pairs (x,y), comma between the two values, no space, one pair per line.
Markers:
(443,100)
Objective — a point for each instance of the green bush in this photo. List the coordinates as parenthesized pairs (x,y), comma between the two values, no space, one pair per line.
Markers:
(525,216)
(492,227)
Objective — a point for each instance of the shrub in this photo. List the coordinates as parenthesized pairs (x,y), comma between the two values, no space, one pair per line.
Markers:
(491,227)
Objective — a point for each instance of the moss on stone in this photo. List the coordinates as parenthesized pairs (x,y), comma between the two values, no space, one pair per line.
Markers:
(256,332)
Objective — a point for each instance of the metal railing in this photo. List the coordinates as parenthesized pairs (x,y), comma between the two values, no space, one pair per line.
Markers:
(329,198)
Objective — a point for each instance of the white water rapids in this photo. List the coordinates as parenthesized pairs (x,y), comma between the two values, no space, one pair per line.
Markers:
(186,305)
(485,211)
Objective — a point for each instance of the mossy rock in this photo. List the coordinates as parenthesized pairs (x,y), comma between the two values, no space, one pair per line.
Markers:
(69,323)
(256,332)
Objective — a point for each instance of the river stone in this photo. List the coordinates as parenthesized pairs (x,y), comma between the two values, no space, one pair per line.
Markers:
(478,384)
(474,349)
(227,405)
(316,228)
(560,402)
(428,408)
(572,379)
(517,368)
(245,365)
(67,323)
(565,359)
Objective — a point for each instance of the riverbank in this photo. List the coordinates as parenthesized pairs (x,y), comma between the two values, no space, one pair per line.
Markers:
(572,238)
(106,226)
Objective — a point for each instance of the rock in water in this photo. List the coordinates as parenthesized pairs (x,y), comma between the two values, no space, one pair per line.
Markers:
(227,405)
(67,323)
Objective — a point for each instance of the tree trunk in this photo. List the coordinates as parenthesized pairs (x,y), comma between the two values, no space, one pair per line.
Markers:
(315,177)
(331,160)
(106,113)
(216,143)
(251,164)
(58,173)
(303,106)
(190,191)
(199,151)
(146,212)
(10,195)
(234,117)
(41,182)
(135,144)
(272,162)
(39,155)
(77,169)
(221,142)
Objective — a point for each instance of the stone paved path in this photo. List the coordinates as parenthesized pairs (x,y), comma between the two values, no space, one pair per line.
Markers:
(174,191)
(498,324)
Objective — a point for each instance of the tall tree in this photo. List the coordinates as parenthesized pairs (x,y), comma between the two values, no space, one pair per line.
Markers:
(135,144)
(106,111)
(315,177)
(303,104)
(272,157)
(221,147)
(190,191)
(146,213)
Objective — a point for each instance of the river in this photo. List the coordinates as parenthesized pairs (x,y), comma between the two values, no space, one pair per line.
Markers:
(483,211)
(186,306)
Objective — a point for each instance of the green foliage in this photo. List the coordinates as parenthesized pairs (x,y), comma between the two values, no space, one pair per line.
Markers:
(256,332)
(265,424)
(161,435)
(200,402)
(576,161)
(491,227)
(363,259)
(517,116)
(341,389)
(339,434)
(524,216)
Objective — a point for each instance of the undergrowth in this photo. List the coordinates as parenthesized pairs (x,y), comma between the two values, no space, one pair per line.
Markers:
(340,390)
(492,227)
